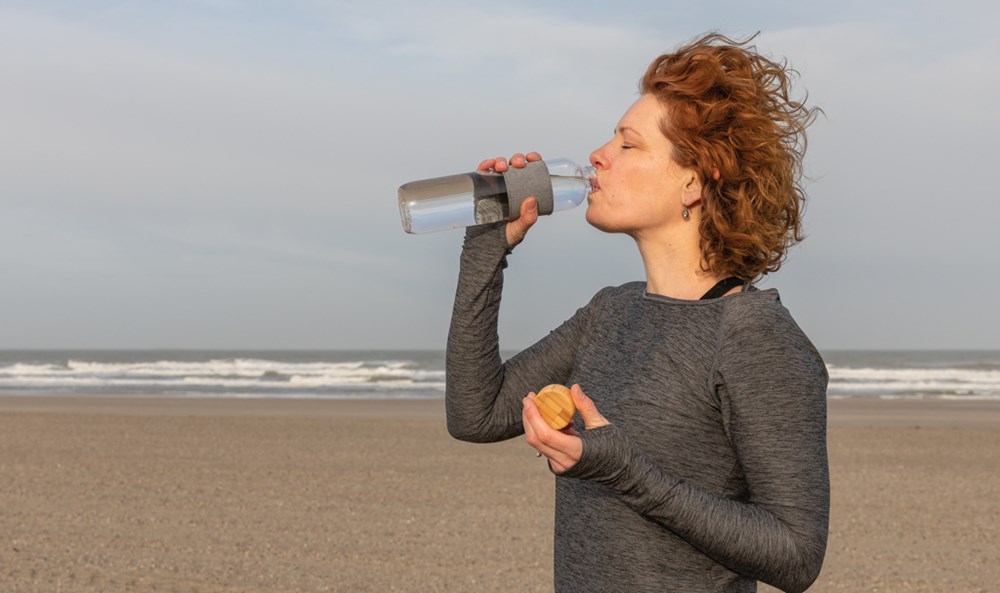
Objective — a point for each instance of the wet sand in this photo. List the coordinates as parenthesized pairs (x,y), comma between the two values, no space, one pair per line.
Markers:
(155,494)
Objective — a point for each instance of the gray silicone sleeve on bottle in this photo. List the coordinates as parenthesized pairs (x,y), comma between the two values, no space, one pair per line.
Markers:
(532,180)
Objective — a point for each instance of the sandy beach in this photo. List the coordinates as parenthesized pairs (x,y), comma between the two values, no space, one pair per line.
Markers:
(188,495)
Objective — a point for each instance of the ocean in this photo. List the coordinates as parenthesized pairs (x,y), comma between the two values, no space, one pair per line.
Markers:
(380,374)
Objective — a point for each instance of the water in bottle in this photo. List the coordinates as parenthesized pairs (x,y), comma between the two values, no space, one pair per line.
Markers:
(469,199)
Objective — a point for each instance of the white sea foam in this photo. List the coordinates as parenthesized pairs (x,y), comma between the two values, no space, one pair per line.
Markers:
(422,375)
(222,376)
(952,382)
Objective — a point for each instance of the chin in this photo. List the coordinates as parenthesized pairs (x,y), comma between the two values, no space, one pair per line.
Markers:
(592,219)
(602,225)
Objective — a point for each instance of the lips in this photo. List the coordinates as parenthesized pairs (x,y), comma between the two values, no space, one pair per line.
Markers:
(595,183)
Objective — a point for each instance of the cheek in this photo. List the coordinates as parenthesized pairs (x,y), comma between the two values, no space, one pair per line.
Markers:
(656,191)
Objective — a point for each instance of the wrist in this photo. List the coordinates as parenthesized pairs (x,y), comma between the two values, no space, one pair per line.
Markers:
(603,457)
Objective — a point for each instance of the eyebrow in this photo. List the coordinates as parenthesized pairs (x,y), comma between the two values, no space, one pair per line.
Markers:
(623,129)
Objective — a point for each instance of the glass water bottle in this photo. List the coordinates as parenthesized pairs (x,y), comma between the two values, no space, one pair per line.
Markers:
(469,199)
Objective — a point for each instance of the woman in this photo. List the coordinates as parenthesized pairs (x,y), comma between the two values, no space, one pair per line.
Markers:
(698,460)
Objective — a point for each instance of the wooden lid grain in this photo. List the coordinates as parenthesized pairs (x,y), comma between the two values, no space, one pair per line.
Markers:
(556,405)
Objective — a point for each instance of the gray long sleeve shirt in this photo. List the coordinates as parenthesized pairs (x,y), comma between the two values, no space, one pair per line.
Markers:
(713,473)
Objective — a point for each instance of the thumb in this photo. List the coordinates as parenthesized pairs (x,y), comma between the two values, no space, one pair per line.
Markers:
(527,216)
(588,411)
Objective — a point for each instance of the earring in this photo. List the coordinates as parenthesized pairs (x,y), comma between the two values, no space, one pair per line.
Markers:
(685,214)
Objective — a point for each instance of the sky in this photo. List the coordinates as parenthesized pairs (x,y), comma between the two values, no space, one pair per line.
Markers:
(223,173)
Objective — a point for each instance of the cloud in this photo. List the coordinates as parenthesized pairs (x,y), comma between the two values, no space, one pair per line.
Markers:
(204,145)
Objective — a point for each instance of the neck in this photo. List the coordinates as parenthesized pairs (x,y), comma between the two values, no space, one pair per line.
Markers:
(673,264)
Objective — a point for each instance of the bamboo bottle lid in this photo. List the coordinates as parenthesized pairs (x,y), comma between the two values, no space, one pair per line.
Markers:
(556,405)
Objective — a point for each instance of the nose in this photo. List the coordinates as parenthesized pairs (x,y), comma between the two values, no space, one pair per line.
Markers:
(598,159)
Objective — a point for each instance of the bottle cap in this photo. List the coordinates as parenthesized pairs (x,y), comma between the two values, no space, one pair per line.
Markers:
(556,405)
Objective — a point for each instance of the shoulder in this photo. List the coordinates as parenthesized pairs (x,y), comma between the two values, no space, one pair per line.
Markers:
(757,313)
(622,292)
(611,302)
(758,330)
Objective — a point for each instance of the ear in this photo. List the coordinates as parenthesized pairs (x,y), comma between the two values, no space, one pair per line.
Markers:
(691,193)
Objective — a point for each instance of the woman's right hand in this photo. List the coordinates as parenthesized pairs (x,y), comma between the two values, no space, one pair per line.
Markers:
(517,228)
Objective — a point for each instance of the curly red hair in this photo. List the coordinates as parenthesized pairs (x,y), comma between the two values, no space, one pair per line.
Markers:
(731,117)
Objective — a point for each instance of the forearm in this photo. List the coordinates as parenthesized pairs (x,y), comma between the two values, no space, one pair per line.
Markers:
(782,545)
(474,369)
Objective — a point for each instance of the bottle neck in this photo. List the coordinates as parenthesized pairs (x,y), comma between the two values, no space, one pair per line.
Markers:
(590,175)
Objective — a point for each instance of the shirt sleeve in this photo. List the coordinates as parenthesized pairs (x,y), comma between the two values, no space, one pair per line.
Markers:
(483,394)
(771,385)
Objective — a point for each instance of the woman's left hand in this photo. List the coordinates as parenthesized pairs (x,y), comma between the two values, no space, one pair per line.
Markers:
(563,448)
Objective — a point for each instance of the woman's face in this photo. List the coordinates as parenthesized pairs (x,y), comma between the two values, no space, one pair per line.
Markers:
(640,186)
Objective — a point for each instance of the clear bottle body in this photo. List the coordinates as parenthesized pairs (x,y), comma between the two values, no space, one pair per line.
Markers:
(469,199)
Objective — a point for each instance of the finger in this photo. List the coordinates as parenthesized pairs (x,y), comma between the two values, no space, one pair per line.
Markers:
(562,449)
(587,409)
(534,426)
(500,165)
(518,161)
(528,216)
(533,156)
(486,166)
(529,212)
(529,427)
